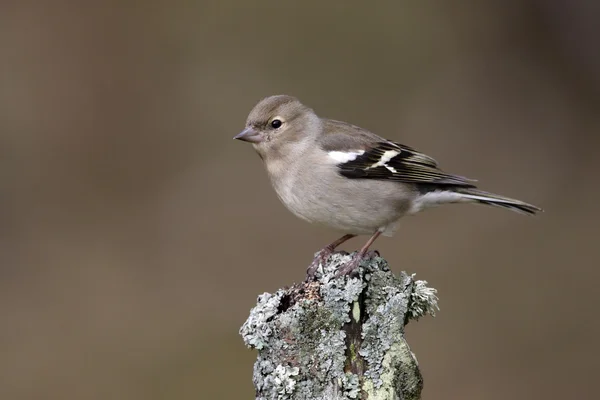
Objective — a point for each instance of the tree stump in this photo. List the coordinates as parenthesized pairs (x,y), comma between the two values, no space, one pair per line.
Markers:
(339,338)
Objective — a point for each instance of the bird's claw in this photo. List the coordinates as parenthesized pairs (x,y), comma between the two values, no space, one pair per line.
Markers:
(372,254)
(351,268)
(320,258)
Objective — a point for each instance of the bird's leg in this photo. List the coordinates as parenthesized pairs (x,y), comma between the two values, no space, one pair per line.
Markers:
(372,254)
(324,254)
(355,262)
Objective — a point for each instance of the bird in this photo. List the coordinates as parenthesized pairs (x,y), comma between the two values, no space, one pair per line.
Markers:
(335,174)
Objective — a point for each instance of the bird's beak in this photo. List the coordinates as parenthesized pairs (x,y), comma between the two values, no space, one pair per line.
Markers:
(249,135)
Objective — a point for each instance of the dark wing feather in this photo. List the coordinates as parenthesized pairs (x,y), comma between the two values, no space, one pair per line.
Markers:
(407,165)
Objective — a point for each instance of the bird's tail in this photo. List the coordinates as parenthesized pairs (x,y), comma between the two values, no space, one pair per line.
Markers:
(491,199)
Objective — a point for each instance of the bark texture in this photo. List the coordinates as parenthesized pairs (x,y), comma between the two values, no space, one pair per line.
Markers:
(339,338)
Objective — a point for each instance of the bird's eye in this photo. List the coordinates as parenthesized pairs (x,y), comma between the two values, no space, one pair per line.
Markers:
(276,123)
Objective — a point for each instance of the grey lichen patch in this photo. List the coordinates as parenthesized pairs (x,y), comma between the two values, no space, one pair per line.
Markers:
(257,330)
(401,378)
(282,381)
(391,302)
(339,293)
(424,300)
(309,337)
(383,328)
(351,386)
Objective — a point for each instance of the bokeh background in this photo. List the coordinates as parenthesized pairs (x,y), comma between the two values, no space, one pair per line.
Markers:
(136,234)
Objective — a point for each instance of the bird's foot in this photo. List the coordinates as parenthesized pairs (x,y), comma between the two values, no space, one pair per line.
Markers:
(351,268)
(320,258)
(372,254)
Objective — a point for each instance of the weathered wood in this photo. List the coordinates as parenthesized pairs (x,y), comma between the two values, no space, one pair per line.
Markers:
(339,338)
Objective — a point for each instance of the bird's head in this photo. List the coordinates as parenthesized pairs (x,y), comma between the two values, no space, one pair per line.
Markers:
(277,122)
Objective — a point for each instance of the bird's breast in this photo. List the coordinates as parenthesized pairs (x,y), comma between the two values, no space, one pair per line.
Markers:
(320,195)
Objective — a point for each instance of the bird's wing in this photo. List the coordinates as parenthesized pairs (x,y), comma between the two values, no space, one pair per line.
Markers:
(397,162)
(372,157)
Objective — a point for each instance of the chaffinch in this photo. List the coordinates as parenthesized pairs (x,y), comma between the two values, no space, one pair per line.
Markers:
(347,178)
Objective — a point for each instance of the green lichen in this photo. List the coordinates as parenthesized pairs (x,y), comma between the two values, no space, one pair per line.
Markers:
(353,353)
(301,342)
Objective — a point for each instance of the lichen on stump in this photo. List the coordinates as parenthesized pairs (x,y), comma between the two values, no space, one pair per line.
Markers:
(339,338)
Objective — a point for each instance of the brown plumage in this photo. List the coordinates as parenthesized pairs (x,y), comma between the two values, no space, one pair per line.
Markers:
(347,178)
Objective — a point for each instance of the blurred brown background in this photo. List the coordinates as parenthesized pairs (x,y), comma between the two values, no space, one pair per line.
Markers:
(136,234)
